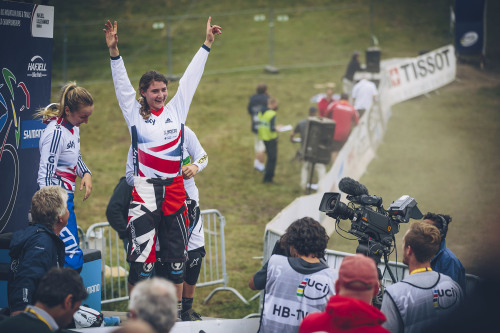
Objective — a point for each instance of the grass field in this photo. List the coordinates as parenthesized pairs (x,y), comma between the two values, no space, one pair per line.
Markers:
(441,149)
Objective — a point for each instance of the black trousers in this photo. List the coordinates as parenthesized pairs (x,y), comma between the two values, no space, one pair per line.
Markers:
(272,157)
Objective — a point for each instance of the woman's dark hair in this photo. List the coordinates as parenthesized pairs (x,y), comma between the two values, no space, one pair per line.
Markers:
(307,236)
(57,284)
(438,222)
(144,83)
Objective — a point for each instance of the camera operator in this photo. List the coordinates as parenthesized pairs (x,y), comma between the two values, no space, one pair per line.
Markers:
(445,261)
(296,282)
(425,297)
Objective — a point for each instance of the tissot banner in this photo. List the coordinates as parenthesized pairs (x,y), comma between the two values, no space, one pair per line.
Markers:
(26,32)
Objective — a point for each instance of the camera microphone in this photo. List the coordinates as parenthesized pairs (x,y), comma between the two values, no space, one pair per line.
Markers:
(352,187)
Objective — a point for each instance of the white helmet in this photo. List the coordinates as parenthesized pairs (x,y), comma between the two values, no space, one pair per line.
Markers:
(88,317)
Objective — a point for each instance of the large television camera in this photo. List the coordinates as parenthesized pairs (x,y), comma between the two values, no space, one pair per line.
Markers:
(373,225)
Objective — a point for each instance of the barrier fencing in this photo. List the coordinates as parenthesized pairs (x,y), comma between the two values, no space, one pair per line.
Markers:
(114,269)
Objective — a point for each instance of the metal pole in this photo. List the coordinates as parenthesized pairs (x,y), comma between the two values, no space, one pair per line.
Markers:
(65,53)
(371,22)
(271,37)
(169,46)
(270,67)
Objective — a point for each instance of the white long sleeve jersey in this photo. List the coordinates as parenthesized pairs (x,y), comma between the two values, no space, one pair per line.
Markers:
(193,154)
(196,155)
(60,158)
(157,141)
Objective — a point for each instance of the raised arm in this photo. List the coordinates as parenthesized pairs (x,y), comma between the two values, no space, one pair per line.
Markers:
(111,31)
(212,30)
(181,102)
(125,92)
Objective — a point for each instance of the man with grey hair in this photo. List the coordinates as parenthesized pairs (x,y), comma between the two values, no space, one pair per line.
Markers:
(37,248)
(155,302)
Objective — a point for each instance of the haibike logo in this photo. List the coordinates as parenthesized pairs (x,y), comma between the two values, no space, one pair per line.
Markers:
(93,289)
(37,67)
(150,121)
(315,287)
(70,145)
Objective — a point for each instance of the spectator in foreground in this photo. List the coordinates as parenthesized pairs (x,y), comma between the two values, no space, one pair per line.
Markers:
(298,284)
(37,248)
(154,301)
(256,105)
(350,310)
(425,297)
(445,261)
(320,168)
(58,297)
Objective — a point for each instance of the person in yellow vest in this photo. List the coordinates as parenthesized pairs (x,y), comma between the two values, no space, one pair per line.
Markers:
(268,133)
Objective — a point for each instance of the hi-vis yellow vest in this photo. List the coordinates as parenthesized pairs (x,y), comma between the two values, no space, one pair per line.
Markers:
(265,132)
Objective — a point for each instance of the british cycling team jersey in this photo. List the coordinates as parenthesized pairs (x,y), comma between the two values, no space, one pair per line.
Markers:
(60,158)
(193,151)
(157,141)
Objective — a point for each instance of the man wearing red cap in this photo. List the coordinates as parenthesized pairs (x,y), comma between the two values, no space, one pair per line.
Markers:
(350,310)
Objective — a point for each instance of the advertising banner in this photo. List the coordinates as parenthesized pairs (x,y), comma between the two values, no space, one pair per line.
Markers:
(411,77)
(26,32)
(401,79)
(470,16)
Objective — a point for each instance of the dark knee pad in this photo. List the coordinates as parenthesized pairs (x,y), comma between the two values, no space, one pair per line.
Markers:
(172,271)
(139,271)
(193,267)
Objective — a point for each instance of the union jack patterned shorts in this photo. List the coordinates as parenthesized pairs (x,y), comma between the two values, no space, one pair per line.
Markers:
(157,221)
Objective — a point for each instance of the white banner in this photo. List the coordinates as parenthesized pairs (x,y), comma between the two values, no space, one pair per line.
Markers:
(401,79)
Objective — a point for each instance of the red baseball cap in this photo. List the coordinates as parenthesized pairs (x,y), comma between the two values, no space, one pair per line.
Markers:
(358,268)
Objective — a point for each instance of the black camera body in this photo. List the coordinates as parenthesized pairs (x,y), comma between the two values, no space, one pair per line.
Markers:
(370,222)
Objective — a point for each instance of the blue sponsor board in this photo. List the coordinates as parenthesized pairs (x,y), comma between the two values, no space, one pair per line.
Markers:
(31,132)
(469,26)
(25,63)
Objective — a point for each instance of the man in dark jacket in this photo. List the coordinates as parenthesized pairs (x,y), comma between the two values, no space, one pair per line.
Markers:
(445,261)
(117,210)
(37,248)
(58,297)
(256,105)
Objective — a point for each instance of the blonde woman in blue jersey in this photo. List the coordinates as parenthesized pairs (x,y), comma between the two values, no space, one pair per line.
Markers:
(60,159)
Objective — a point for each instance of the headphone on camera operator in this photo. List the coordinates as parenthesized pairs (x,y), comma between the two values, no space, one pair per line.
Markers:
(441,222)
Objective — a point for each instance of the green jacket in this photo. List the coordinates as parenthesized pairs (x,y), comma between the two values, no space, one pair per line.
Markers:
(267,132)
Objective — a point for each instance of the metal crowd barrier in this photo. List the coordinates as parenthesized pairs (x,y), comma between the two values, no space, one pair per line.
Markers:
(334,258)
(115,268)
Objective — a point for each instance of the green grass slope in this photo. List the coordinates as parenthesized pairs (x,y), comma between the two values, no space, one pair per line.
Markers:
(312,47)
